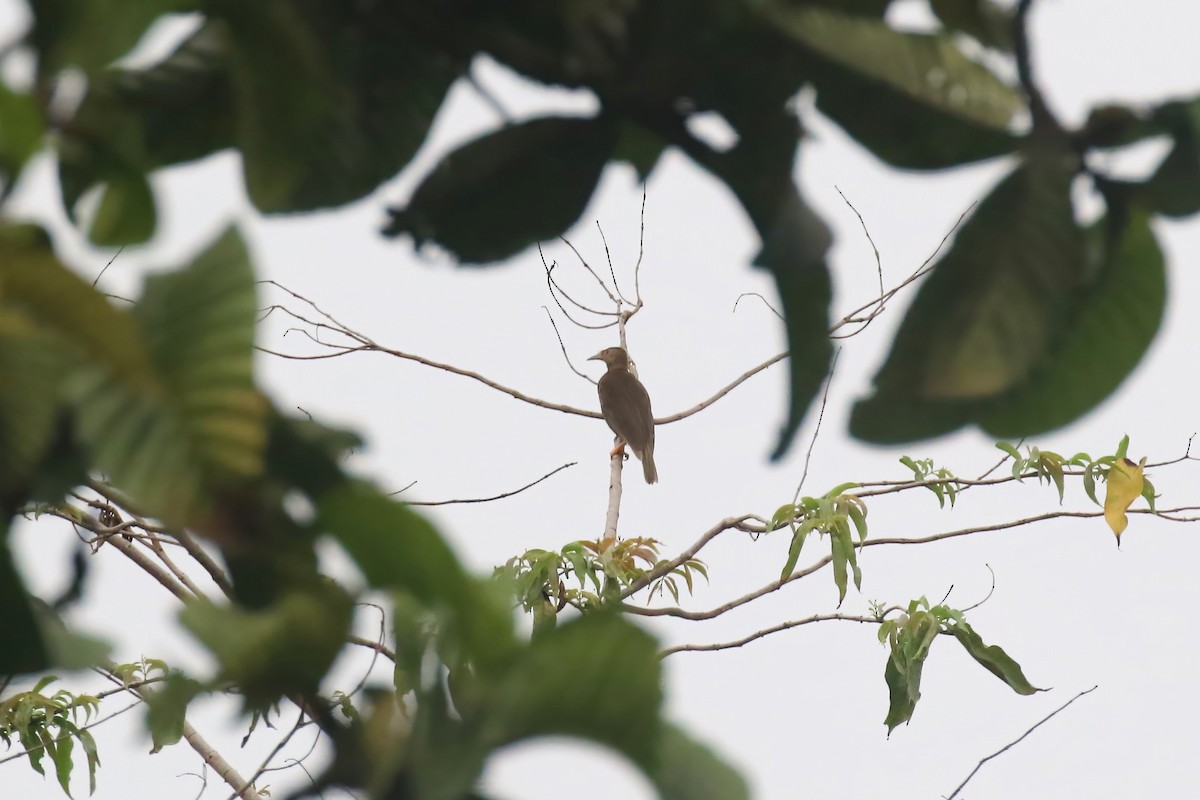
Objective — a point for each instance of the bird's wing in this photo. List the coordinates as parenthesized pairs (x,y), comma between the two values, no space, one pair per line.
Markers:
(626,408)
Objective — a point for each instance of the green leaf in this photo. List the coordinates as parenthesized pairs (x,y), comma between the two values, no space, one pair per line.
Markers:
(166,709)
(331,99)
(89,34)
(397,549)
(990,313)
(282,649)
(993,658)
(62,759)
(126,214)
(25,649)
(31,367)
(509,189)
(983,20)
(1116,318)
(202,423)
(21,129)
(913,99)
(596,677)
(1174,188)
(689,770)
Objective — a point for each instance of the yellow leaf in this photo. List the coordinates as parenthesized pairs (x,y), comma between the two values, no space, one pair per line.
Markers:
(1125,481)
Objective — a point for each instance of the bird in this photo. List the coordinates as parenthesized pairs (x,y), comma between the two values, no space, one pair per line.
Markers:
(625,405)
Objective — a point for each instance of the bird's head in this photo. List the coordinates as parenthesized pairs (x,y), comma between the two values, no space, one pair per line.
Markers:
(614,357)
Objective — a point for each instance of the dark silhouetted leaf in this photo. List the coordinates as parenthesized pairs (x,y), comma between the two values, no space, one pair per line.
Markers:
(360,95)
(24,648)
(91,35)
(21,129)
(983,20)
(1174,188)
(166,709)
(510,189)
(126,214)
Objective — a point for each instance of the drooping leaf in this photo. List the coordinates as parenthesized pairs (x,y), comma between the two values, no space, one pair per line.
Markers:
(284,648)
(993,658)
(1124,485)
(509,189)
(126,214)
(992,310)
(166,709)
(1115,319)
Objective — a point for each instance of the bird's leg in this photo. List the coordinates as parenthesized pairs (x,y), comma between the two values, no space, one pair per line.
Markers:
(619,449)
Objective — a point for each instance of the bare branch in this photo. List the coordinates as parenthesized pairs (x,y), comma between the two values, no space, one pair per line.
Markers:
(1018,740)
(612,272)
(494,497)
(817,430)
(563,347)
(783,626)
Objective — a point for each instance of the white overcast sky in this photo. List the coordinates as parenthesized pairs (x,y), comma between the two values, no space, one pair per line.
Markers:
(799,713)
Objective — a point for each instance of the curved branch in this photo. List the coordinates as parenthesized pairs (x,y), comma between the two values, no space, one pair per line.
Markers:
(783,626)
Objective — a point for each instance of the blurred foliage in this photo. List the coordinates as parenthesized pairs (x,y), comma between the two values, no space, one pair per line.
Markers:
(327,101)
(1027,322)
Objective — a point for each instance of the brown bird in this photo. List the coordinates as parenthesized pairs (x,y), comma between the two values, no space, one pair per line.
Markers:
(625,405)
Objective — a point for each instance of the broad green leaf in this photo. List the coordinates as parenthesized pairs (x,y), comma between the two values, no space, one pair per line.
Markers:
(331,99)
(395,548)
(91,35)
(126,214)
(1124,485)
(63,762)
(689,770)
(32,364)
(983,20)
(991,311)
(913,99)
(21,128)
(166,709)
(597,677)
(1115,319)
(509,189)
(201,424)
(133,121)
(993,658)
(284,648)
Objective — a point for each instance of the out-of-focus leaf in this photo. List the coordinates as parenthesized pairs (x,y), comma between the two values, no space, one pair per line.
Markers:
(993,658)
(126,214)
(689,770)
(32,364)
(640,148)
(597,677)
(398,549)
(25,648)
(1116,318)
(913,99)
(509,189)
(983,20)
(1124,485)
(166,709)
(361,92)
(202,423)
(133,121)
(21,129)
(66,648)
(1174,188)
(284,648)
(91,35)
(992,310)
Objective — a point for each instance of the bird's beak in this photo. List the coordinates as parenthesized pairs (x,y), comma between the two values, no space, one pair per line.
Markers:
(597,357)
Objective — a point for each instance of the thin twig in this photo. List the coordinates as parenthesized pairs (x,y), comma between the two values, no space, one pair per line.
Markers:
(563,347)
(783,626)
(817,430)
(760,297)
(1018,740)
(494,497)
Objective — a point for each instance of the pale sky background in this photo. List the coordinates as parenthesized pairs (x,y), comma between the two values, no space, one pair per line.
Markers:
(800,713)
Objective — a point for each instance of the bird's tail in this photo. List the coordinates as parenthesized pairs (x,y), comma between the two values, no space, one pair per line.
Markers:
(648,469)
